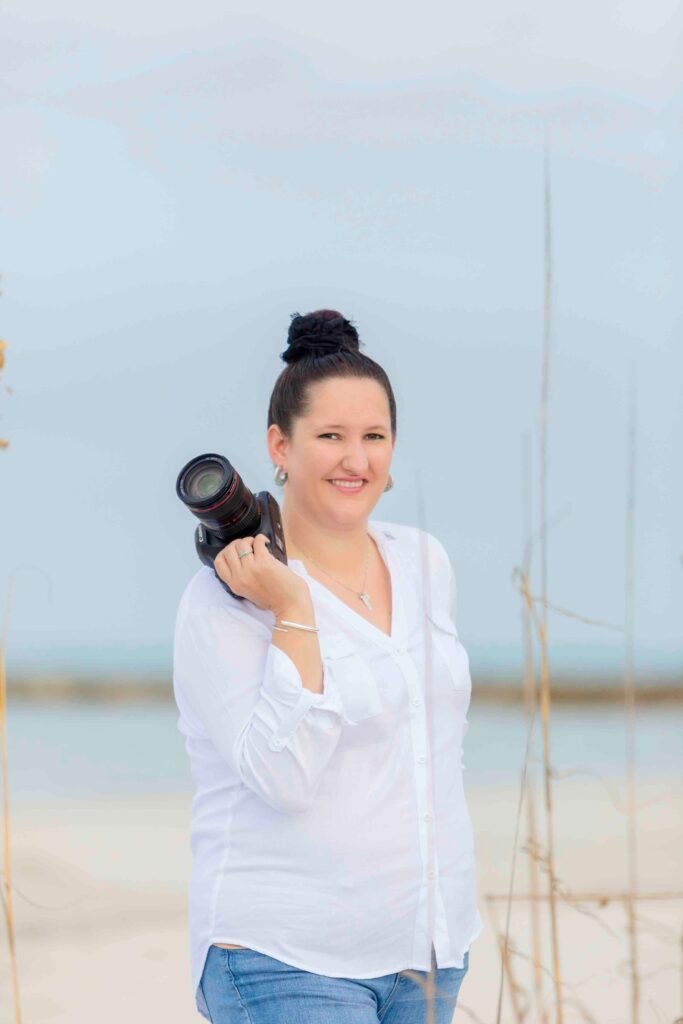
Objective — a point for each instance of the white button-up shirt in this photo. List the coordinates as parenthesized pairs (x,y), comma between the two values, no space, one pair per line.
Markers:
(330,830)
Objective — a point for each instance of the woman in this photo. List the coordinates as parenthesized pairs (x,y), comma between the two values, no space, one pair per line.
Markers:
(333,865)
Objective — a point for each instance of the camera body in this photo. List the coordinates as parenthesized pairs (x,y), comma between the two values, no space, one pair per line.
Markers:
(215,493)
(209,543)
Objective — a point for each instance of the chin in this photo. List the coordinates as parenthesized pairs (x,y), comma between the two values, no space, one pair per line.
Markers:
(359,514)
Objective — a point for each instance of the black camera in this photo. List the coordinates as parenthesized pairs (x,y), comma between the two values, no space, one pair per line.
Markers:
(226,509)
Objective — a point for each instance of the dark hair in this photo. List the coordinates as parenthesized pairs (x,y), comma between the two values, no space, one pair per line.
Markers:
(321,345)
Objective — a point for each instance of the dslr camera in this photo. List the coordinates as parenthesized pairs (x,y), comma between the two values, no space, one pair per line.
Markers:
(215,493)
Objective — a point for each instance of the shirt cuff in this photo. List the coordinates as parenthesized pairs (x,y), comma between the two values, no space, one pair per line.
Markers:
(282,682)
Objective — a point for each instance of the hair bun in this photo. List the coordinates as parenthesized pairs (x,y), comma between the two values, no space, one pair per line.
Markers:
(320,333)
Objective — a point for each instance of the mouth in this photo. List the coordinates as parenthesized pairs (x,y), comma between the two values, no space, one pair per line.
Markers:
(348,486)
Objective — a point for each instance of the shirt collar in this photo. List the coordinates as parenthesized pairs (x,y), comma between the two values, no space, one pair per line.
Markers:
(379,532)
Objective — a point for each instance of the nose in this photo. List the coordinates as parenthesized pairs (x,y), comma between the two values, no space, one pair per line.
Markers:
(355,461)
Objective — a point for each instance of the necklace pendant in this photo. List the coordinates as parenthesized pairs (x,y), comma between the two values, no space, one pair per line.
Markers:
(365,598)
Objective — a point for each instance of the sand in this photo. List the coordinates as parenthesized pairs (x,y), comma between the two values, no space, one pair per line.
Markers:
(100,907)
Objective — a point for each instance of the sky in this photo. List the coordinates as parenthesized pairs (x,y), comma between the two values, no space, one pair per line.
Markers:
(177,181)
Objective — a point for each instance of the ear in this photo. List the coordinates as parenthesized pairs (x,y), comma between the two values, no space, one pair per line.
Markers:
(277,445)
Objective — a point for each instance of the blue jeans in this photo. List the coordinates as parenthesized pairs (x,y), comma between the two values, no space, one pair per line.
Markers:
(242,986)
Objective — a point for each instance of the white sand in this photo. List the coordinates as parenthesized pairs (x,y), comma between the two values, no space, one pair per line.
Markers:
(100,908)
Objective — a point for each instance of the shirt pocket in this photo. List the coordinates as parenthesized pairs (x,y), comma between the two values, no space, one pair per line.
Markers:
(353,677)
(447,644)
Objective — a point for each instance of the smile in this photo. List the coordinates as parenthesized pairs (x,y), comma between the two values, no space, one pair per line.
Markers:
(351,488)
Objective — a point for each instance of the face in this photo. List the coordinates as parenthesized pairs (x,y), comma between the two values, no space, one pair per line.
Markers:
(346,435)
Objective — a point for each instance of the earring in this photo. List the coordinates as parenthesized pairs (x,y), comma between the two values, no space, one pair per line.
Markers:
(390,483)
(280,476)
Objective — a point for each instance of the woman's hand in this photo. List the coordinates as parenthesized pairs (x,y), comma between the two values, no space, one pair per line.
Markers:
(260,577)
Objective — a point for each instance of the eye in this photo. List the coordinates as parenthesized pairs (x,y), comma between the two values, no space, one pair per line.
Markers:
(381,436)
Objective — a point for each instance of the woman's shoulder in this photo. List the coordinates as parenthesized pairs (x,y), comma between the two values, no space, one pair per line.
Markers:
(425,563)
(412,542)
(205,595)
(204,590)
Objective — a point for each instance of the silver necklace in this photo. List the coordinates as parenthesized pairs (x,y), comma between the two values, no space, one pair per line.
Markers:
(362,594)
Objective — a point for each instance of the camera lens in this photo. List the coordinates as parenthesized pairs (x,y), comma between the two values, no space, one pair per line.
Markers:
(204,480)
(216,494)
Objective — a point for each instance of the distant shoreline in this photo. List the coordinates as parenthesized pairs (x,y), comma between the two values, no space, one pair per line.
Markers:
(564,690)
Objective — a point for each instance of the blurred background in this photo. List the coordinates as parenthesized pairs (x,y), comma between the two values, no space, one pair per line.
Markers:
(175,183)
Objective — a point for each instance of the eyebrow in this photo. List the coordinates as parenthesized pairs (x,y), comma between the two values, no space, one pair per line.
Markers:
(337,426)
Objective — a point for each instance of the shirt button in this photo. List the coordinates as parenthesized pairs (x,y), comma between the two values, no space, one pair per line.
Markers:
(421,759)
(428,816)
(431,874)
(417,701)
(275,743)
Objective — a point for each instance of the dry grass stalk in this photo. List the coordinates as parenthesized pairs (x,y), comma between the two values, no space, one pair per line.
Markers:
(6,871)
(516,990)
(543,633)
(666,935)
(569,997)
(575,615)
(534,885)
(603,899)
(630,710)
(6,861)
(530,694)
(539,857)
(629,898)
(546,859)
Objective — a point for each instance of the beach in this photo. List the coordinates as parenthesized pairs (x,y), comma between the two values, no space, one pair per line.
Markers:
(100,906)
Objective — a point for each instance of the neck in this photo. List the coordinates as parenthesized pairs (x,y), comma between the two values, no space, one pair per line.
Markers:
(340,550)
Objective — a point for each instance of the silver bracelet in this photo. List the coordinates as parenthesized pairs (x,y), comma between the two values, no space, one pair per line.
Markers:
(295,625)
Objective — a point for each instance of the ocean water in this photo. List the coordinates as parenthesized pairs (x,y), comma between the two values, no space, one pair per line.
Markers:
(70,751)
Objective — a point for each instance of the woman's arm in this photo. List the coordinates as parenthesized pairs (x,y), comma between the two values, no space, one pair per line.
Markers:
(269,583)
(272,709)
(300,645)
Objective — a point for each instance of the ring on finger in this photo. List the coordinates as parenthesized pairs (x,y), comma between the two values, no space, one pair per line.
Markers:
(247,552)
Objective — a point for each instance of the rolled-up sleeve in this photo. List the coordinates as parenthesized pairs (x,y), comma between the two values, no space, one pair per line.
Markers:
(276,735)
